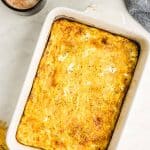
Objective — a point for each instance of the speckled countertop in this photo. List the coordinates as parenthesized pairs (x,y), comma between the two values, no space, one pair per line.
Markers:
(18,37)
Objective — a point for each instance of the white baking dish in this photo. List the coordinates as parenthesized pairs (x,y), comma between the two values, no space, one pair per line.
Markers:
(111,16)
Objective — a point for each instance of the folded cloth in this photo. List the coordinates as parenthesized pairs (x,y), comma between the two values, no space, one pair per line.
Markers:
(140,10)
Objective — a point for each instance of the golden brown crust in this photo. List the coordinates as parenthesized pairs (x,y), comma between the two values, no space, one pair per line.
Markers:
(3,130)
(78,90)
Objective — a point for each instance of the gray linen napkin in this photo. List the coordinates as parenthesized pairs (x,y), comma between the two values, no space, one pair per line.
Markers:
(140,10)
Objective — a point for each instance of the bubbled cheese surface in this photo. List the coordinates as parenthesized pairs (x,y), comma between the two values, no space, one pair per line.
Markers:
(78,90)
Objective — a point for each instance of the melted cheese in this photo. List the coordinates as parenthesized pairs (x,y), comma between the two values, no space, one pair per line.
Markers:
(78,90)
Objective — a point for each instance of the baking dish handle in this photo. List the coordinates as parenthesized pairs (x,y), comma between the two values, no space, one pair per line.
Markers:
(112,6)
(114,12)
(107,9)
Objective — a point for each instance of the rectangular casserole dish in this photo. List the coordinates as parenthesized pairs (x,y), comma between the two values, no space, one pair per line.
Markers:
(98,21)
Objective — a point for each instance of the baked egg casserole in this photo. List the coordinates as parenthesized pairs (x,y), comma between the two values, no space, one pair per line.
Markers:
(79,88)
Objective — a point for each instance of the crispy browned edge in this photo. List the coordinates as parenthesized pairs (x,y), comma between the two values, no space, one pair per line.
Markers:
(115,34)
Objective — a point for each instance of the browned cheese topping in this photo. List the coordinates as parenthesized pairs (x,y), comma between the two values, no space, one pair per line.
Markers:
(3,130)
(78,90)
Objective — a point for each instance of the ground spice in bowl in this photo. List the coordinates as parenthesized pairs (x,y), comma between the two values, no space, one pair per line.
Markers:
(22,4)
(25,7)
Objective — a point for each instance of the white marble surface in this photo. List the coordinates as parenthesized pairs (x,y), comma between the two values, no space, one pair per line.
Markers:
(18,36)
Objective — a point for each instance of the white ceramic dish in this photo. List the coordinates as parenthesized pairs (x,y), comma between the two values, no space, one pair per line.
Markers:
(111,16)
